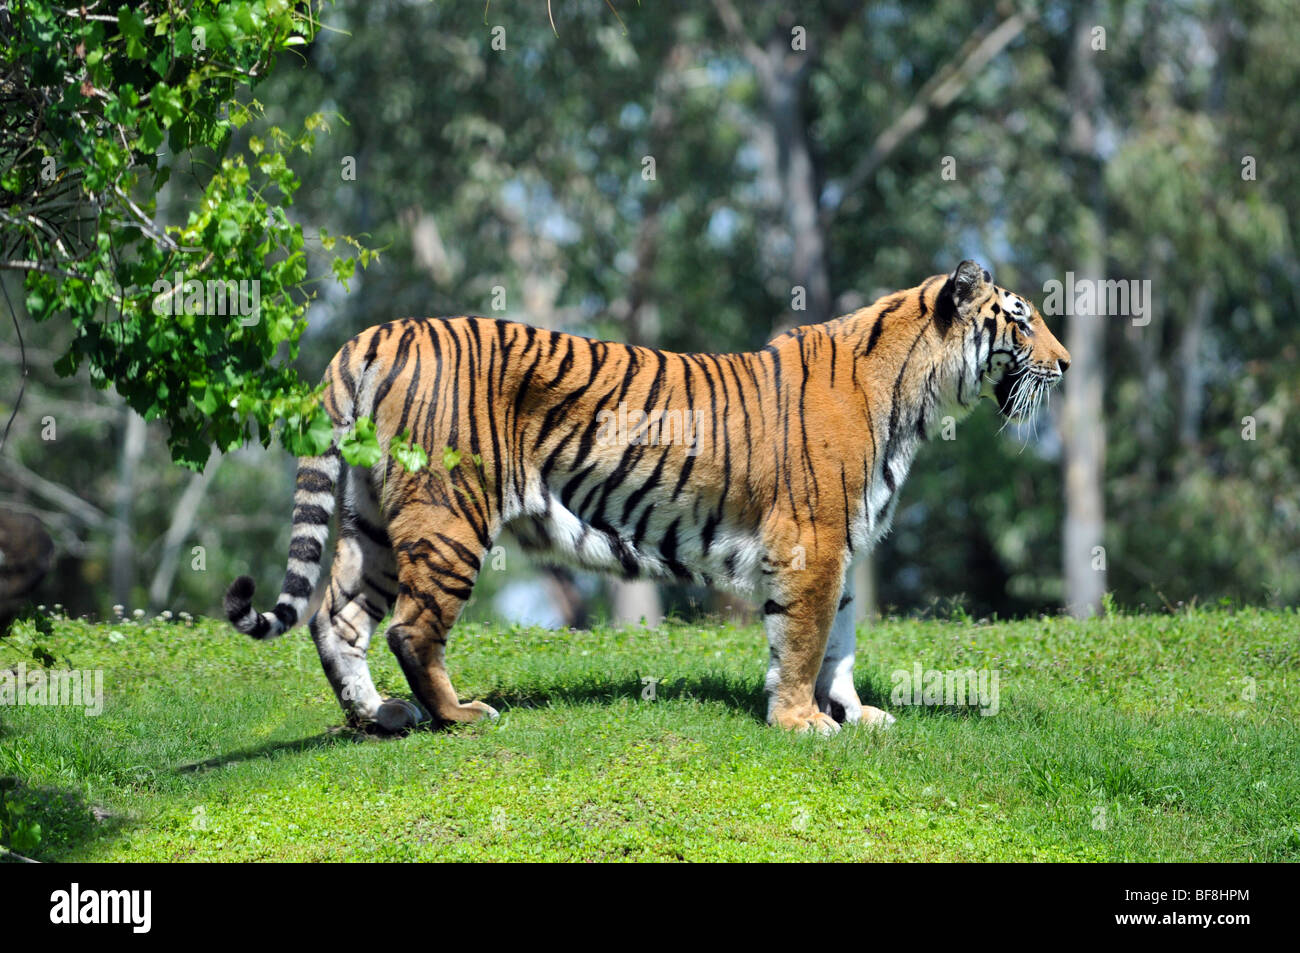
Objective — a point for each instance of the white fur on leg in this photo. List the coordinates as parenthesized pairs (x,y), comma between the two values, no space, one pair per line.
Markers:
(345,664)
(835,688)
(835,680)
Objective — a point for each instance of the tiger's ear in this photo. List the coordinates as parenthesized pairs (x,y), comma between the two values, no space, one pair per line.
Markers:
(969,279)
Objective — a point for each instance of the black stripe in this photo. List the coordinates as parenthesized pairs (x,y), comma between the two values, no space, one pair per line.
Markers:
(305,548)
(296,585)
(310,513)
(879,326)
(463,551)
(668,548)
(875,333)
(649,484)
(312,480)
(945,311)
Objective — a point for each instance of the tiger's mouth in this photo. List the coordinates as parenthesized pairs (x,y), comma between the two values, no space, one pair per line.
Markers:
(1003,391)
(1022,391)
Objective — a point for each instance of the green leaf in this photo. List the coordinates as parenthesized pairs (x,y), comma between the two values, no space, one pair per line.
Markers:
(151,134)
(320,432)
(360,447)
(130,23)
(412,457)
(208,379)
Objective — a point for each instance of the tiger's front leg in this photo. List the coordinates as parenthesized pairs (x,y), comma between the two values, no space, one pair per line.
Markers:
(837,696)
(797,615)
(836,693)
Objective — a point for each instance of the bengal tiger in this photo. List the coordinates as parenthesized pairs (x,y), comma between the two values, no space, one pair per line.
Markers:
(764,472)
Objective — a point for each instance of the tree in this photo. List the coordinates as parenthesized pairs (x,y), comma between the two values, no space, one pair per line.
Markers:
(187,321)
(1083,419)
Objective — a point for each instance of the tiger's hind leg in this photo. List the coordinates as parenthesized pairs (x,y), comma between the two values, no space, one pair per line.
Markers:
(362,587)
(439,553)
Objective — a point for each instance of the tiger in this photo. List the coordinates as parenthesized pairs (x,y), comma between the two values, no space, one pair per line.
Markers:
(764,472)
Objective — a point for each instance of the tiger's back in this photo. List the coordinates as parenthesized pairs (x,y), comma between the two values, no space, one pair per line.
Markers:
(614,458)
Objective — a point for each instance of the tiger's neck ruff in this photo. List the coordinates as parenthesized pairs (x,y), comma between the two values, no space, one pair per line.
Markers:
(764,471)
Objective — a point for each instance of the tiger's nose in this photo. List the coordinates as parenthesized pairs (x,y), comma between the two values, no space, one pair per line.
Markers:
(1063,364)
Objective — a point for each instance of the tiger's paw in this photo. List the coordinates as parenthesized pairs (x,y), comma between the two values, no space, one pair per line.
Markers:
(468,712)
(811,720)
(847,710)
(875,718)
(843,707)
(397,714)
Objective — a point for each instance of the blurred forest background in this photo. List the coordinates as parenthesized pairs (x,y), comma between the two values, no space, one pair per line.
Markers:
(674,175)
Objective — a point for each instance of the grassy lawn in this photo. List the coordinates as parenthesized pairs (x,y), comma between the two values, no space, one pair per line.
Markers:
(1127,738)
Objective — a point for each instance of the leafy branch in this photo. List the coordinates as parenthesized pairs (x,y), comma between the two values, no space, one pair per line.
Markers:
(98,109)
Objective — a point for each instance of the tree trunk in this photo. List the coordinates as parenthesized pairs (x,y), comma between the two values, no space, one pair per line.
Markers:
(783,92)
(123,550)
(865,599)
(187,509)
(1192,368)
(1083,418)
(636,601)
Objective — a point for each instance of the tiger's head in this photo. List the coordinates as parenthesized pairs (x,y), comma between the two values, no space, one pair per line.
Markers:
(1015,354)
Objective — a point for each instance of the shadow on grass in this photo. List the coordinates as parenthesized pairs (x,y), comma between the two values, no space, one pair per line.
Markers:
(326,739)
(745,695)
(741,694)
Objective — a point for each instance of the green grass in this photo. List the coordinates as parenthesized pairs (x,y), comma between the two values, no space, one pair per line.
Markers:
(214,747)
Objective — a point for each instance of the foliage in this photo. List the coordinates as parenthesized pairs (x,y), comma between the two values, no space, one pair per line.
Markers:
(18,831)
(102,107)
(27,636)
(360,446)
(410,455)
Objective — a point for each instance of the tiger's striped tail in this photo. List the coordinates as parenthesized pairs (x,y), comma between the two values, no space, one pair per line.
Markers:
(313,504)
